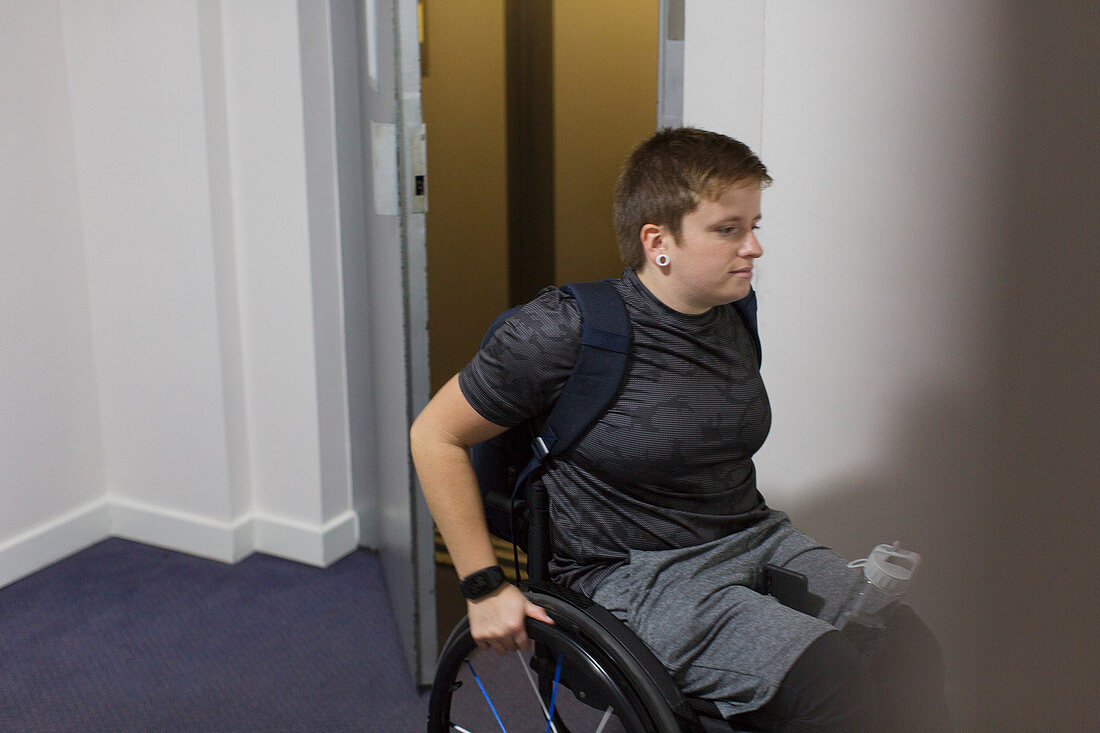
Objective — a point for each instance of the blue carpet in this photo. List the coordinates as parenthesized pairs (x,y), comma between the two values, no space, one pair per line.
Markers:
(127,637)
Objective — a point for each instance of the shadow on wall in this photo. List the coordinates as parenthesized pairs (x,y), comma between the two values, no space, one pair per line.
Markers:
(934,495)
(996,488)
(996,484)
(1044,641)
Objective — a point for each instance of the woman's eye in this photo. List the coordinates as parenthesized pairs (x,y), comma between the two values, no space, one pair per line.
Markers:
(726,230)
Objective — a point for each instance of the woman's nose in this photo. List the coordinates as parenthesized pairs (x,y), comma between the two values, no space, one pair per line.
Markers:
(752,247)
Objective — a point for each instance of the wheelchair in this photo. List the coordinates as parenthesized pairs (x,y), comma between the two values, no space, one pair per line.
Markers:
(587,672)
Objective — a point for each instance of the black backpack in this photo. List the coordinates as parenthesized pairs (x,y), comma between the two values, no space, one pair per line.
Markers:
(506,464)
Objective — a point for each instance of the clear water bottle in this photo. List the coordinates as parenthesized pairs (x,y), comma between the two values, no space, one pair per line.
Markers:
(887,572)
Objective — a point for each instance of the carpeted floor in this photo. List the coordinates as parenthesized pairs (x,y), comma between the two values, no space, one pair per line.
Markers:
(127,637)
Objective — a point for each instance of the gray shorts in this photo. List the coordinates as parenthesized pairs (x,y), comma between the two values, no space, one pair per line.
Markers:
(721,639)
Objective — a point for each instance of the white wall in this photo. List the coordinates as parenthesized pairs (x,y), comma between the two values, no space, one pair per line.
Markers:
(176,327)
(289,258)
(142,167)
(51,462)
(898,307)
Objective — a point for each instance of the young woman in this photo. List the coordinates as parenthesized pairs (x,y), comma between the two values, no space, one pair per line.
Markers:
(655,511)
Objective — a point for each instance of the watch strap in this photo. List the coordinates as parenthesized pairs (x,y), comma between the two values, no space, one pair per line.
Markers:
(481,583)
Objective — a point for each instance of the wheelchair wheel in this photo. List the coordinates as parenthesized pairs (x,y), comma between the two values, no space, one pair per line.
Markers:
(562,677)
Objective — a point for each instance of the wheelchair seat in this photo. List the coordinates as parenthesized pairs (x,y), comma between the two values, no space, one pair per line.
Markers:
(614,681)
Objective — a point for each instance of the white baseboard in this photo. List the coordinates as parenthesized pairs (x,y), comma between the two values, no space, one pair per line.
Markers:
(55,540)
(315,545)
(228,542)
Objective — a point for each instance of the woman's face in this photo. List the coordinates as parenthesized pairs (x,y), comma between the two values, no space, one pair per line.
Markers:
(711,262)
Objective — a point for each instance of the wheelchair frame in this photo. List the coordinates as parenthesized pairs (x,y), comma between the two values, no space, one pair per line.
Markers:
(607,660)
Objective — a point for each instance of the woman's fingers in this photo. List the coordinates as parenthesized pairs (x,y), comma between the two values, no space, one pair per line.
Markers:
(498,621)
(538,613)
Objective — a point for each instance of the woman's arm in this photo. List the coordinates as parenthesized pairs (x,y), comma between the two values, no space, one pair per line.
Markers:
(440,441)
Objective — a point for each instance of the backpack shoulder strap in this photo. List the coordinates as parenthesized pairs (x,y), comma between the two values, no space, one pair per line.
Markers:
(597,375)
(746,308)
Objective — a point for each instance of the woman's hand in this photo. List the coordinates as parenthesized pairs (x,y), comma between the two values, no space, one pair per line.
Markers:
(498,620)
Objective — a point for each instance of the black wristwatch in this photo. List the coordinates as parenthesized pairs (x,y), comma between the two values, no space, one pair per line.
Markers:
(482,583)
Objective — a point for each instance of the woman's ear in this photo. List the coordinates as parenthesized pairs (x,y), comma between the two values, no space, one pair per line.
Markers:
(655,240)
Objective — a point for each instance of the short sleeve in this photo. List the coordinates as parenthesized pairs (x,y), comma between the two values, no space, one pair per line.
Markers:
(521,370)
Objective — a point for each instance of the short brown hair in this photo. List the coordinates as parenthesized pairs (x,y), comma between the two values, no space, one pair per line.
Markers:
(670,174)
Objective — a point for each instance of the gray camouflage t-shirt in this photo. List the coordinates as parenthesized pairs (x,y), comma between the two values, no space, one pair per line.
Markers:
(669,465)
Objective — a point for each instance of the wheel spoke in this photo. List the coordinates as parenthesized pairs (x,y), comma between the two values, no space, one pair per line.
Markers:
(485,694)
(554,695)
(531,680)
(603,721)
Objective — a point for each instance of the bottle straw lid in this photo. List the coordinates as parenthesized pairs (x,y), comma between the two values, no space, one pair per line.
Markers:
(890,568)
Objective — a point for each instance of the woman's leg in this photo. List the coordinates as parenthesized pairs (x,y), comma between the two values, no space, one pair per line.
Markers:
(829,688)
(908,670)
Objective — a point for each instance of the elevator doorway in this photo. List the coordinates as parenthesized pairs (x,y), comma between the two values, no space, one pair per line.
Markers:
(531,106)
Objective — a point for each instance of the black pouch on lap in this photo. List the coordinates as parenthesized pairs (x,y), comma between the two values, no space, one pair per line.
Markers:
(791,589)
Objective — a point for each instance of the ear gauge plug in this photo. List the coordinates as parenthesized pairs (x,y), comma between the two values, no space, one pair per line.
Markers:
(662,260)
